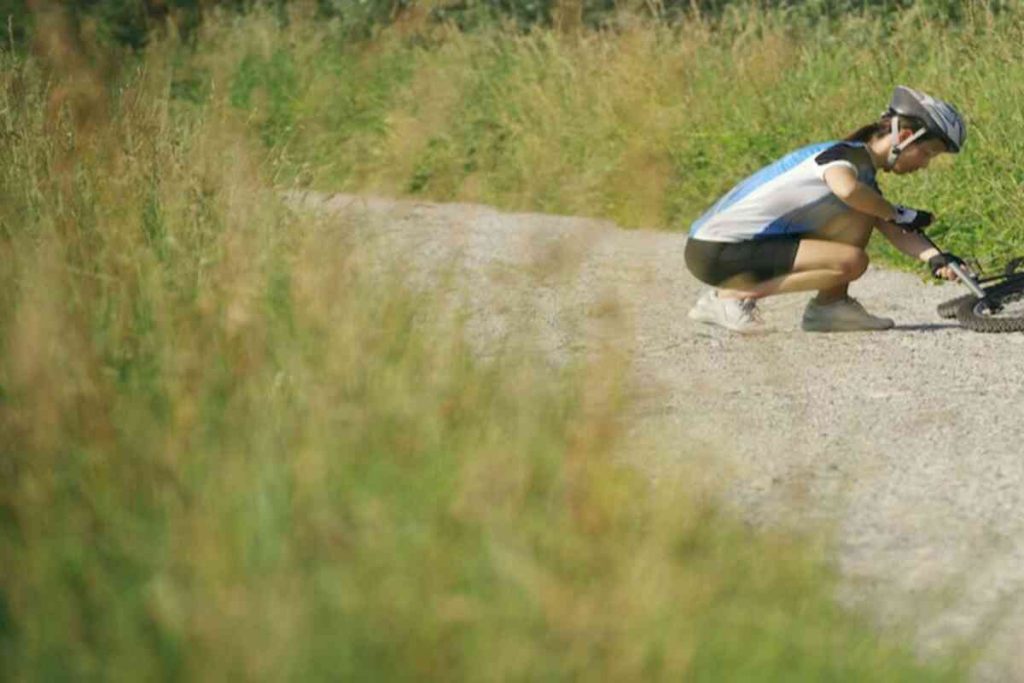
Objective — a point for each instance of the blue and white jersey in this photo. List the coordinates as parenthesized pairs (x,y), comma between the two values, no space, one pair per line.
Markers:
(788,197)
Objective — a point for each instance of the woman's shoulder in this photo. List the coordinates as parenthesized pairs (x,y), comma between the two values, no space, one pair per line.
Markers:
(828,148)
(843,150)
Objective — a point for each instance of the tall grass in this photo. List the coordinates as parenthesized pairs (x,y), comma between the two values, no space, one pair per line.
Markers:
(648,124)
(231,448)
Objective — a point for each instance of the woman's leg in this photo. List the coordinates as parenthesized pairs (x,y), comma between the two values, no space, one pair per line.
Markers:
(827,261)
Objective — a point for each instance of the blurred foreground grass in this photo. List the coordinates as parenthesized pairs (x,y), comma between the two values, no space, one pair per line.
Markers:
(230,448)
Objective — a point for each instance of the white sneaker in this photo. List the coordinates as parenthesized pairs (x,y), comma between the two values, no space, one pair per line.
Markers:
(845,315)
(738,315)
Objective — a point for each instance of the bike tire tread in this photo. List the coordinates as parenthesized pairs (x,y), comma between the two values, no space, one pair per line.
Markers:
(948,309)
(967,317)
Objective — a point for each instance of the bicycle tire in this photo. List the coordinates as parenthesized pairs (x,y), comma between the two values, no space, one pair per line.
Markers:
(971,313)
(948,309)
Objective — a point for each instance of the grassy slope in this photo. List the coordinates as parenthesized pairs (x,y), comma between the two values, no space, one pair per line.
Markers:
(227,450)
(647,126)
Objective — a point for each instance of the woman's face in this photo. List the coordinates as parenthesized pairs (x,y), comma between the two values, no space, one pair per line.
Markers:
(918,156)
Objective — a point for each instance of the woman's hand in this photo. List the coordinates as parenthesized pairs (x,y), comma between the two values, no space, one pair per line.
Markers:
(940,266)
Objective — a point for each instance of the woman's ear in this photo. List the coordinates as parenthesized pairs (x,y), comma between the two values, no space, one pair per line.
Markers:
(904,134)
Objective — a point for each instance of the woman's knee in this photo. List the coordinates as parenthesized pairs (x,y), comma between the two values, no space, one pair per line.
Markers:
(849,227)
(854,264)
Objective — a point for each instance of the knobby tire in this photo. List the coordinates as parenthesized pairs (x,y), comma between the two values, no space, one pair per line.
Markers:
(948,309)
(969,315)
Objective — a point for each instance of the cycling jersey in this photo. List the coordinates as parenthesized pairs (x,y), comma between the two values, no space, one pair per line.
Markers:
(789,197)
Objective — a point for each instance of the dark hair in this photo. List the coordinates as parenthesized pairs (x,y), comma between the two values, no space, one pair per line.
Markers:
(882,126)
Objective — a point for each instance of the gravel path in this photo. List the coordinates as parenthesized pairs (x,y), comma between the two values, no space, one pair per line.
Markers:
(906,443)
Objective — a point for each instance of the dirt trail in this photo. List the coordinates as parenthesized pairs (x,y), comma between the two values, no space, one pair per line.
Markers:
(908,442)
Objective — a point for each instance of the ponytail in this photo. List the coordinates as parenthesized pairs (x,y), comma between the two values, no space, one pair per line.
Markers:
(881,127)
(869,132)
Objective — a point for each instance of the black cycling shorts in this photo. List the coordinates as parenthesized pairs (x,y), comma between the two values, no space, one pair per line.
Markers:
(762,259)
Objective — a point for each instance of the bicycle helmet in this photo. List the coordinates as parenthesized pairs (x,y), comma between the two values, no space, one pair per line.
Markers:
(940,119)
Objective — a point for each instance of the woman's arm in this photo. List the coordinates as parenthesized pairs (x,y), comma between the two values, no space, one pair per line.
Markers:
(910,243)
(855,194)
(858,196)
(914,245)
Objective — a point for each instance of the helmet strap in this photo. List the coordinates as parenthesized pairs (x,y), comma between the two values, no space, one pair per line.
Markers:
(897,147)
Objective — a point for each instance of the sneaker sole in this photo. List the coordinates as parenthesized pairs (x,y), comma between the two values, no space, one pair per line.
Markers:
(711,320)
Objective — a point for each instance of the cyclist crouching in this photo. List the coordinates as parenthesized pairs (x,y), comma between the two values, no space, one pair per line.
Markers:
(803,222)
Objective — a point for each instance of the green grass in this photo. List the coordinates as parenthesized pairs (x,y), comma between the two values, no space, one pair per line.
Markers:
(234,446)
(648,124)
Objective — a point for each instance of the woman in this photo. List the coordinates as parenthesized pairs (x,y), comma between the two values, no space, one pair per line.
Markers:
(803,223)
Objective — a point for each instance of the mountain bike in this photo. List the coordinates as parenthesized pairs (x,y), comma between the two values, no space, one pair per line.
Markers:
(995,302)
